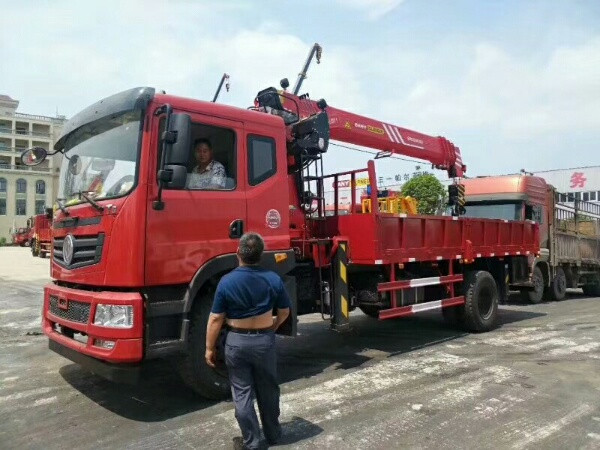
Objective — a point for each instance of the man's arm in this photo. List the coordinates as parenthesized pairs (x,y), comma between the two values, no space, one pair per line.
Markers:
(283,306)
(282,315)
(215,323)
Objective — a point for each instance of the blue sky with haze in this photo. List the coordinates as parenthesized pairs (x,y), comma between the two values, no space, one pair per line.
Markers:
(514,84)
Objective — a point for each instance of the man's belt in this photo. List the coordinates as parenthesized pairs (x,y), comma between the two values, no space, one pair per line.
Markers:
(251,330)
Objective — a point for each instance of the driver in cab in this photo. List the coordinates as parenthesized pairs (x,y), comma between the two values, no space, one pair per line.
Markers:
(208,173)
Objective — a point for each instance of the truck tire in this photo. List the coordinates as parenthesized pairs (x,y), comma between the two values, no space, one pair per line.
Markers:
(203,379)
(558,286)
(480,312)
(34,250)
(371,311)
(535,295)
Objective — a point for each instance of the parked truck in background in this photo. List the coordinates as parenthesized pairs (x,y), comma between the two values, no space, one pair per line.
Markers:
(569,230)
(41,239)
(138,250)
(22,236)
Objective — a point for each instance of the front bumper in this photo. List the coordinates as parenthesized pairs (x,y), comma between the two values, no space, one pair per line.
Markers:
(76,314)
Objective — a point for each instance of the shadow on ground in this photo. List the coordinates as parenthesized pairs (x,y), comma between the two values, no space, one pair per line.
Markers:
(160,394)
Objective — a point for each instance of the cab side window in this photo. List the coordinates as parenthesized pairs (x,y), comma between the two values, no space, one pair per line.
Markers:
(262,159)
(212,158)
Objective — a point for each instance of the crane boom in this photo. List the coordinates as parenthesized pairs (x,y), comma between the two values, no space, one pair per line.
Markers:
(364,131)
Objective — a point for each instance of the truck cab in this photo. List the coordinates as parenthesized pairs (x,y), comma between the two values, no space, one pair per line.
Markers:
(569,252)
(137,239)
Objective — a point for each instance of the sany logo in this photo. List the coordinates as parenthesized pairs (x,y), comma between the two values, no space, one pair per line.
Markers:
(578,180)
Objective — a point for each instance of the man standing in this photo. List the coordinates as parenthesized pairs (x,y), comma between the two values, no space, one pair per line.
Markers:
(245,299)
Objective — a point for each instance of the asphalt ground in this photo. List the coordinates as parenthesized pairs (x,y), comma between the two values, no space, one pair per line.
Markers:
(408,383)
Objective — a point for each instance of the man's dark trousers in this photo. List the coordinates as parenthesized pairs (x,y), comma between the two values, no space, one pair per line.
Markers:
(252,364)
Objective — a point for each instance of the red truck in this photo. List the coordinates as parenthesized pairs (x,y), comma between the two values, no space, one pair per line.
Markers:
(137,257)
(569,231)
(22,237)
(41,240)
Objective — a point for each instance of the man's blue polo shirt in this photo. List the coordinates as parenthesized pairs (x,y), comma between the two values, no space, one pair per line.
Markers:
(249,291)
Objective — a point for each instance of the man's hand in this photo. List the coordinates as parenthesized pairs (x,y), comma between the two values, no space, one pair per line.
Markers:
(211,357)
(215,322)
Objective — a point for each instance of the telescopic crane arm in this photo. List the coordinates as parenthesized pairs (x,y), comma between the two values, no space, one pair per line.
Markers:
(388,138)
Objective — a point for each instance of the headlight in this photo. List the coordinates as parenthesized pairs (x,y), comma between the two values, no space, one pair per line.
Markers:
(115,316)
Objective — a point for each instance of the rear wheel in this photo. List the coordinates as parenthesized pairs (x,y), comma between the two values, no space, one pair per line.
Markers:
(536,294)
(558,286)
(480,312)
(371,311)
(206,381)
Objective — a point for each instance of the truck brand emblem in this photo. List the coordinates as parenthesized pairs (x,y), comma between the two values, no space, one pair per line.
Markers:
(67,248)
(273,218)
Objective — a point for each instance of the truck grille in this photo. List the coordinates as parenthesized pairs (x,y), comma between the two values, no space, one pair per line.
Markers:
(75,312)
(87,250)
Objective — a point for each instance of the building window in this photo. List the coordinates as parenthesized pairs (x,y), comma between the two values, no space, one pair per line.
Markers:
(563,198)
(39,206)
(2,206)
(578,196)
(2,184)
(40,187)
(593,196)
(21,186)
(262,163)
(21,209)
(586,196)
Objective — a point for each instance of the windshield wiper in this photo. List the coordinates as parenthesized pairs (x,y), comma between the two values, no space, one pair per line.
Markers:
(90,200)
(61,206)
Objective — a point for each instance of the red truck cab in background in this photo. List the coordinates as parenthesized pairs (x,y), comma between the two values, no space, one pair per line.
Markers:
(140,241)
(41,237)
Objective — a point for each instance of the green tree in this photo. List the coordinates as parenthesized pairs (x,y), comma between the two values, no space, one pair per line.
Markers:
(428,191)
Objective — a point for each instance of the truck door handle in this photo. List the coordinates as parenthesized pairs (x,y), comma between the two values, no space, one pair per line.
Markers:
(236,229)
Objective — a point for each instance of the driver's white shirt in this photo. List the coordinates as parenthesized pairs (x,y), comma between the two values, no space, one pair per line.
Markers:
(212,177)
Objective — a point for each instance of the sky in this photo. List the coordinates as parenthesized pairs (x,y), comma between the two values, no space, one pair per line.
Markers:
(515,84)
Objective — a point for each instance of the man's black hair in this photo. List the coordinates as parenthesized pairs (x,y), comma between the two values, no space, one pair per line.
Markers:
(251,248)
(197,142)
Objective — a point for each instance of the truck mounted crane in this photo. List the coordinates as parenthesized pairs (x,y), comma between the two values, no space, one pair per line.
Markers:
(135,263)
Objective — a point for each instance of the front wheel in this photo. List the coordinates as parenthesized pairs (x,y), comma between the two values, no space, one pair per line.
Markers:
(203,379)
(480,311)
(34,250)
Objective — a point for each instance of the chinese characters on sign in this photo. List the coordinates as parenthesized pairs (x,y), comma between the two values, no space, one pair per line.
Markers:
(398,178)
(578,180)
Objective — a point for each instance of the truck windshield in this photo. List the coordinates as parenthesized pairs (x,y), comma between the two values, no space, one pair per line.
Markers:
(100,159)
(506,211)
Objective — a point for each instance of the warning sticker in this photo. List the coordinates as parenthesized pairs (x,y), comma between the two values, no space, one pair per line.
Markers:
(273,218)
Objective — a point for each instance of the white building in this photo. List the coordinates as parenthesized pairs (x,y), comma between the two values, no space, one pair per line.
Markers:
(25,191)
(581,183)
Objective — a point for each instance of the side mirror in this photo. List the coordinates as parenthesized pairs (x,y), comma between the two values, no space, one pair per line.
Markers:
(179,136)
(49,213)
(34,156)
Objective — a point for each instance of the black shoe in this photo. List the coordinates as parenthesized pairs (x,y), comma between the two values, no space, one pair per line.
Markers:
(276,440)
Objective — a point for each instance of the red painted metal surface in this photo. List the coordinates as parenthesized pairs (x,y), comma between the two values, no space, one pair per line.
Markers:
(364,131)
(407,284)
(128,342)
(403,311)
(392,239)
